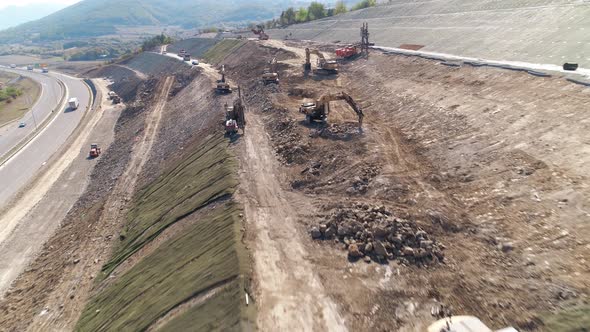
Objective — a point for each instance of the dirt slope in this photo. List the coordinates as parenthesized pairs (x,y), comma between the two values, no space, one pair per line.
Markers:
(455,151)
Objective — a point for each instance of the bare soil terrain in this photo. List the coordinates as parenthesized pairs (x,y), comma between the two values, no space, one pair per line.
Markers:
(470,156)
(466,188)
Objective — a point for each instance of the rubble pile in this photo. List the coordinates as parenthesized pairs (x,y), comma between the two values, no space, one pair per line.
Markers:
(372,232)
(288,143)
(339,131)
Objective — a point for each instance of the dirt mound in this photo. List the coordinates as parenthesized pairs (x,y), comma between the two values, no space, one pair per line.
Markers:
(125,81)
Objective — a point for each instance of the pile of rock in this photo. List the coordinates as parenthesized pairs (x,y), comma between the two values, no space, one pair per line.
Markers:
(287,142)
(372,232)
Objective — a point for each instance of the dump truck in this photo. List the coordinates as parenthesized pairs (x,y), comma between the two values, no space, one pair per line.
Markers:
(94,150)
(73,103)
(320,109)
(186,57)
(325,67)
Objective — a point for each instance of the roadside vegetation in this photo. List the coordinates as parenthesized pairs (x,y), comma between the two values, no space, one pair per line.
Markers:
(195,275)
(315,11)
(151,43)
(17,98)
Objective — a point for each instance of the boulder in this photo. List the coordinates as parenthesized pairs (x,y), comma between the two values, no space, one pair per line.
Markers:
(408,251)
(315,233)
(330,232)
(354,252)
(380,232)
(380,249)
(368,247)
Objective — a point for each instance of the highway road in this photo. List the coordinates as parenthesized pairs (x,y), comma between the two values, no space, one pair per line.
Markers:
(51,92)
(23,166)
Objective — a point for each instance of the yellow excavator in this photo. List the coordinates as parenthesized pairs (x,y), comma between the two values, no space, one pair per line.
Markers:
(222,85)
(325,67)
(320,109)
(270,75)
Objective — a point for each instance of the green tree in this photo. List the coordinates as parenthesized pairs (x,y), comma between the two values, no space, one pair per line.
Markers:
(302,15)
(316,11)
(340,8)
(365,4)
(290,16)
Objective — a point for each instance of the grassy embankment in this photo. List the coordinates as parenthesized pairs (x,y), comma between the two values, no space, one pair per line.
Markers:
(217,53)
(198,273)
(17,98)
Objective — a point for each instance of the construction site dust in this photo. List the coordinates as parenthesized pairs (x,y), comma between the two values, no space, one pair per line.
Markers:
(291,185)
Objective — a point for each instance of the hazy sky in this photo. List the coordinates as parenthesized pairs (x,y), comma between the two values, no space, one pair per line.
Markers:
(5,3)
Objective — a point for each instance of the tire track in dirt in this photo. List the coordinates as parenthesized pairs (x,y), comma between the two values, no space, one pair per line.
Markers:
(291,296)
(79,278)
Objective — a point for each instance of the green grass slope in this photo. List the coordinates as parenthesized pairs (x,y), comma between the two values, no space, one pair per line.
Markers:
(196,277)
(205,176)
(217,53)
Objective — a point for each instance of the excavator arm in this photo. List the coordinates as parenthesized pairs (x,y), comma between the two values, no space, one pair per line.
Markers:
(324,103)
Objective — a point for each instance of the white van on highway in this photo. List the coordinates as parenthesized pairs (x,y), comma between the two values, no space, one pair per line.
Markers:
(73,103)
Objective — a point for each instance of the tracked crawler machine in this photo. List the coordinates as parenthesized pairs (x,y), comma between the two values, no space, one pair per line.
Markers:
(222,86)
(320,109)
(270,75)
(325,67)
(235,117)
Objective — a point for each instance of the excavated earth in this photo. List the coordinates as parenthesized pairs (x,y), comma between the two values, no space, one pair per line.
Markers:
(466,191)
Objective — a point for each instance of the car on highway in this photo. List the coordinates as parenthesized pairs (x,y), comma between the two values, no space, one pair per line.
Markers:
(22,125)
(195,63)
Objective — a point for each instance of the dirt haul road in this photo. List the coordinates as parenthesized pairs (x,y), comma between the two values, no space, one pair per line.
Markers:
(292,298)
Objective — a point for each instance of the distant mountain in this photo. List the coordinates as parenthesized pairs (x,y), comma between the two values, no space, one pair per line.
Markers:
(90,18)
(14,15)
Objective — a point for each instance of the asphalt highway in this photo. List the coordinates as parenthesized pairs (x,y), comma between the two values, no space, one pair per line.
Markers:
(24,165)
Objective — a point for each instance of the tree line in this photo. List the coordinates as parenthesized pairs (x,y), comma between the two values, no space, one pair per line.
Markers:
(314,11)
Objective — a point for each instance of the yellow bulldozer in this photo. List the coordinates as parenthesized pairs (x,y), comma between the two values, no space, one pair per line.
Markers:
(324,67)
(320,109)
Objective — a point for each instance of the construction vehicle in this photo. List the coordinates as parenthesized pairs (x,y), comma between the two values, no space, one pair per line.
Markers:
(30,67)
(259,31)
(116,99)
(351,51)
(186,57)
(234,116)
(222,85)
(44,68)
(320,109)
(270,75)
(348,52)
(73,103)
(463,324)
(325,67)
(94,150)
